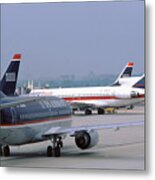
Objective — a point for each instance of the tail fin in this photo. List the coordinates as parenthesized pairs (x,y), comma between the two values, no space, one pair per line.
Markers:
(9,80)
(127,71)
(140,83)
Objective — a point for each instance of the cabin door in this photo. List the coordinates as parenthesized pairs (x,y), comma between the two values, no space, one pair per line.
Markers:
(14,115)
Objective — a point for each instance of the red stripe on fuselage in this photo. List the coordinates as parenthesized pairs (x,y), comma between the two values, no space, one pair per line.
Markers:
(90,98)
(97,98)
(33,121)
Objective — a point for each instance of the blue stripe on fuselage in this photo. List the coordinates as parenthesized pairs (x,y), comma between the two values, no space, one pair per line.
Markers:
(52,108)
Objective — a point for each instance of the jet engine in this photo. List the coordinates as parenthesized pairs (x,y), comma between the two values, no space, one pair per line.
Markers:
(86,140)
(125,95)
(134,94)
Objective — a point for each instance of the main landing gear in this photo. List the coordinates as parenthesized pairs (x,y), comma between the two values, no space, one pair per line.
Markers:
(4,151)
(99,111)
(88,112)
(55,149)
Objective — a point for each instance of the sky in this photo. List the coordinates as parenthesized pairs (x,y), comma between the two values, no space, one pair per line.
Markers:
(73,38)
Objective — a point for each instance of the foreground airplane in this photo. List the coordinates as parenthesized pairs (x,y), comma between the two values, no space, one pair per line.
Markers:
(89,98)
(31,119)
(9,80)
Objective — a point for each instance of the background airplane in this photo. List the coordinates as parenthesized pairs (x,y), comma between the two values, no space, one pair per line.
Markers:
(89,98)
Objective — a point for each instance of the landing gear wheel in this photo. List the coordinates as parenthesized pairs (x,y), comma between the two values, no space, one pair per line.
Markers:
(57,151)
(101,111)
(49,151)
(6,151)
(1,152)
(88,112)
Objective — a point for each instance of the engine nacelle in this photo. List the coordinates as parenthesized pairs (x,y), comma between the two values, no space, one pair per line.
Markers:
(85,140)
(126,95)
(134,94)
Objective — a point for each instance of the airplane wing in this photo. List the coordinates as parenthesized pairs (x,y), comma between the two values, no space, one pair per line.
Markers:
(20,101)
(72,131)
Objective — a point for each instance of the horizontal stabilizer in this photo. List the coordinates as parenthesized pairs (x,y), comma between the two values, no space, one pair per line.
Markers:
(140,83)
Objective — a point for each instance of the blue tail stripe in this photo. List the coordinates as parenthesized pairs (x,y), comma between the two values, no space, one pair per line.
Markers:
(127,72)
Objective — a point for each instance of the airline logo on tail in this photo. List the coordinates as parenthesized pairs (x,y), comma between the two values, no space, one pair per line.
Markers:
(10,77)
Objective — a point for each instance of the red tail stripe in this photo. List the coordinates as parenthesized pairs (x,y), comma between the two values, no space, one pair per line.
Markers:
(130,64)
(17,56)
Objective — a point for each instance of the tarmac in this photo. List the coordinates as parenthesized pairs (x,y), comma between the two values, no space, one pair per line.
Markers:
(120,150)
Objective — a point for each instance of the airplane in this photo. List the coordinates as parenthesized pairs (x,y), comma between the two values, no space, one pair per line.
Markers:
(9,80)
(30,119)
(89,98)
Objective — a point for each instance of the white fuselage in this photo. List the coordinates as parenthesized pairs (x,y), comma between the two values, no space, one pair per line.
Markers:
(116,96)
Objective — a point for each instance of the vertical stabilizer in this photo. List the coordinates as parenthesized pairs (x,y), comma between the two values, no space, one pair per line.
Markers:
(127,71)
(9,80)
